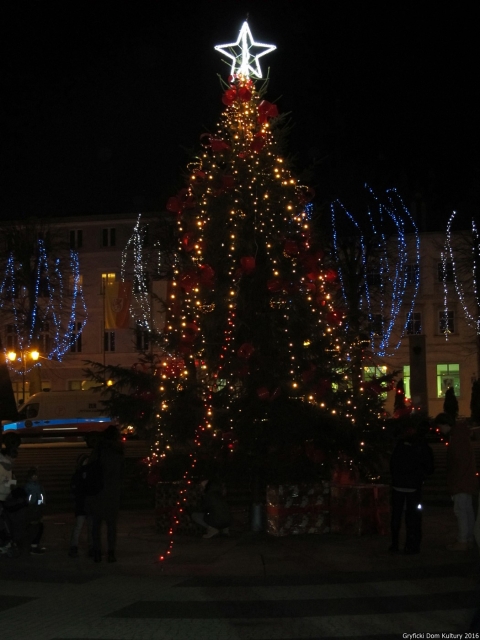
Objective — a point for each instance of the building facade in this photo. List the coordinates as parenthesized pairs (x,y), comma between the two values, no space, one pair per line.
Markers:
(439,348)
(101,243)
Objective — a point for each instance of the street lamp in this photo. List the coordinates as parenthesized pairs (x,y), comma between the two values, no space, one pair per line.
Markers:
(12,356)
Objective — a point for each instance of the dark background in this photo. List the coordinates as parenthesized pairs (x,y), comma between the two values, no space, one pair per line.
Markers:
(100,100)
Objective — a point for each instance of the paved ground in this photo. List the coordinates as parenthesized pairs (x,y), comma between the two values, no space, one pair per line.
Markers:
(246,586)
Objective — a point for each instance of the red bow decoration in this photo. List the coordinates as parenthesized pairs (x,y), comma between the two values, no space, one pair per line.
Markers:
(189,332)
(229,96)
(246,351)
(183,200)
(215,144)
(206,275)
(331,275)
(228,182)
(244,94)
(198,174)
(334,317)
(266,110)
(291,247)
(258,142)
(188,280)
(174,205)
(247,264)
(188,241)
(306,195)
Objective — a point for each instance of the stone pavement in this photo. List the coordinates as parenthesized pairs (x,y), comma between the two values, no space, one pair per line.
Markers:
(245,586)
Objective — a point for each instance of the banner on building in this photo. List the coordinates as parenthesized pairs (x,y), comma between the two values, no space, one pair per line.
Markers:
(117,304)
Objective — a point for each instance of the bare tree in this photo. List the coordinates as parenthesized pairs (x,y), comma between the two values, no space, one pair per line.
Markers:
(41,301)
(461,266)
(376,255)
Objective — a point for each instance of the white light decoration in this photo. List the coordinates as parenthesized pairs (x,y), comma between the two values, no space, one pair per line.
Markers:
(244,62)
(466,273)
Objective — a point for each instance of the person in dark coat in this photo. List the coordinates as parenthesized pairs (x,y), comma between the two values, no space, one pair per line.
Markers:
(103,486)
(77,486)
(412,460)
(215,515)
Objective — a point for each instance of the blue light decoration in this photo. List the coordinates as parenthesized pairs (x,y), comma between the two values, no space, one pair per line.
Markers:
(384,245)
(466,273)
(64,312)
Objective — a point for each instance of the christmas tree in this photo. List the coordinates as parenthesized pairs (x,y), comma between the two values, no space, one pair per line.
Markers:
(253,357)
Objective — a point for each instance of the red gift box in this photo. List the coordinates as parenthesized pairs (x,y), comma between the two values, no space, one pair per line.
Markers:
(298,508)
(360,509)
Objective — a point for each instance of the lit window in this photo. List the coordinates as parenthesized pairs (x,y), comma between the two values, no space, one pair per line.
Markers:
(371,373)
(81,385)
(414,324)
(406,380)
(107,278)
(448,375)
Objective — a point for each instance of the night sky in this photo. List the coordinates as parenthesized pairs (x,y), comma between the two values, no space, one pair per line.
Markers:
(101,101)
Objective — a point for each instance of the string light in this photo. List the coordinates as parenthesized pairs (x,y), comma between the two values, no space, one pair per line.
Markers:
(383,253)
(243,62)
(465,274)
(250,282)
(52,311)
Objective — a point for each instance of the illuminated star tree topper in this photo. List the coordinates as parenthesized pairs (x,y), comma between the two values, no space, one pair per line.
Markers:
(244,62)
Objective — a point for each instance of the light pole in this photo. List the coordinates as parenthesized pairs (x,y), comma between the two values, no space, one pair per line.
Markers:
(12,356)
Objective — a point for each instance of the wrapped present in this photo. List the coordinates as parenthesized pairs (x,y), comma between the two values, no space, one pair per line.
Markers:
(360,509)
(167,495)
(298,508)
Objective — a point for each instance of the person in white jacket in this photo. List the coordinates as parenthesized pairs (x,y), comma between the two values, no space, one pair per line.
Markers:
(8,453)
(6,479)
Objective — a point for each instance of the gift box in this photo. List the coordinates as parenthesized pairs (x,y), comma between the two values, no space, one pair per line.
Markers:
(360,509)
(298,508)
(167,495)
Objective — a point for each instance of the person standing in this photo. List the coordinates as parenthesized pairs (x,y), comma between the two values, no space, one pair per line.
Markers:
(6,478)
(462,482)
(8,454)
(77,486)
(103,502)
(36,500)
(411,461)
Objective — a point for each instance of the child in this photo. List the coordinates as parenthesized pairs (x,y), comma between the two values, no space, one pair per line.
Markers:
(36,500)
(215,515)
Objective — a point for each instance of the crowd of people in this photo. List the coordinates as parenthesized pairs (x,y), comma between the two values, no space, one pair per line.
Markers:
(97,480)
(96,488)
